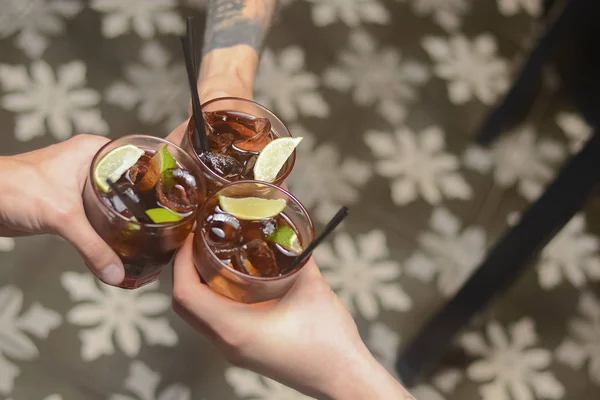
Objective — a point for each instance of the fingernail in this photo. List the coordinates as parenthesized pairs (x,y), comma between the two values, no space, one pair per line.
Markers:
(113,274)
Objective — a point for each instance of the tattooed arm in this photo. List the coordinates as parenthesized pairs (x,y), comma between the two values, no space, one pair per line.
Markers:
(235,30)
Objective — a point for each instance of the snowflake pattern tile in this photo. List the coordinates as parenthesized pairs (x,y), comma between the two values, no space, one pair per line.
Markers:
(472,68)
(16,327)
(362,275)
(7,244)
(103,311)
(248,385)
(575,128)
(514,7)
(322,179)
(283,84)
(446,13)
(582,345)
(144,383)
(520,159)
(377,77)
(418,165)
(145,18)
(349,12)
(51,88)
(155,86)
(447,251)
(33,23)
(57,101)
(509,365)
(572,255)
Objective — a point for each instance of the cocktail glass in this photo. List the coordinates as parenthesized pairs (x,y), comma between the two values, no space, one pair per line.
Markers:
(238,107)
(220,274)
(144,248)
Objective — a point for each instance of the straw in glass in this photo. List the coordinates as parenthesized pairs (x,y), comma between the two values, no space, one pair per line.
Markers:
(331,225)
(130,203)
(201,141)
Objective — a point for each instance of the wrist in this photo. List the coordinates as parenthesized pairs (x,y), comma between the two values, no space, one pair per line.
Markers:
(13,199)
(238,63)
(361,378)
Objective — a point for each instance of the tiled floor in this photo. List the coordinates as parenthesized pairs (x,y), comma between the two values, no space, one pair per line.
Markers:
(388,95)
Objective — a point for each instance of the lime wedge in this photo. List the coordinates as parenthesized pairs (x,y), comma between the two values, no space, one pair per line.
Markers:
(167,159)
(114,164)
(162,215)
(252,208)
(286,237)
(273,157)
(159,163)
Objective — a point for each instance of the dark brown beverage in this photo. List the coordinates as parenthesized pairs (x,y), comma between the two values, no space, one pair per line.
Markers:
(235,141)
(249,246)
(237,131)
(167,187)
(247,250)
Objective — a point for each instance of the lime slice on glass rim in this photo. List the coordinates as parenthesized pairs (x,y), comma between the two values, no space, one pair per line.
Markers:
(286,237)
(272,158)
(252,208)
(115,164)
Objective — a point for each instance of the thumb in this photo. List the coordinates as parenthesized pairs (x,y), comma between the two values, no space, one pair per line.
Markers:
(98,255)
(197,303)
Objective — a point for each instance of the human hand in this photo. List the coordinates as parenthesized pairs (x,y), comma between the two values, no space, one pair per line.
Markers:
(306,340)
(40,192)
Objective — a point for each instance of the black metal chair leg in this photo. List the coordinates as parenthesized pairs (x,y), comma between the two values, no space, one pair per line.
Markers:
(509,256)
(518,100)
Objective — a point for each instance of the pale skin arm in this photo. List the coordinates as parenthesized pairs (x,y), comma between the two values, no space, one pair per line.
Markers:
(233,39)
(306,340)
(234,36)
(40,192)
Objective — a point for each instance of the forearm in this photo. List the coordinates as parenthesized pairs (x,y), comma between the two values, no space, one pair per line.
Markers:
(367,379)
(11,194)
(234,35)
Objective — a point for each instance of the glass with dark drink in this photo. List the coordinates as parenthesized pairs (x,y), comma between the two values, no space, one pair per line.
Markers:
(248,237)
(245,140)
(165,185)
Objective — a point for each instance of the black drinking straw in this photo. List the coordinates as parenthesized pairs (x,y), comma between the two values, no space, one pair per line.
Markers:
(201,141)
(192,46)
(131,204)
(331,225)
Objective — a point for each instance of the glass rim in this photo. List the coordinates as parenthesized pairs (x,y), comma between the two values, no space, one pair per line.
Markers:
(97,191)
(237,273)
(213,174)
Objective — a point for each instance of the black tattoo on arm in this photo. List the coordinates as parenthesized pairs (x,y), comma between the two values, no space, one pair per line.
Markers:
(233,22)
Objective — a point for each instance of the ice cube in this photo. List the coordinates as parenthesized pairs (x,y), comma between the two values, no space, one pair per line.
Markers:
(223,233)
(135,173)
(226,253)
(146,172)
(258,259)
(177,190)
(214,117)
(241,129)
(261,127)
(250,164)
(117,204)
(223,164)
(220,141)
(223,228)
(258,229)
